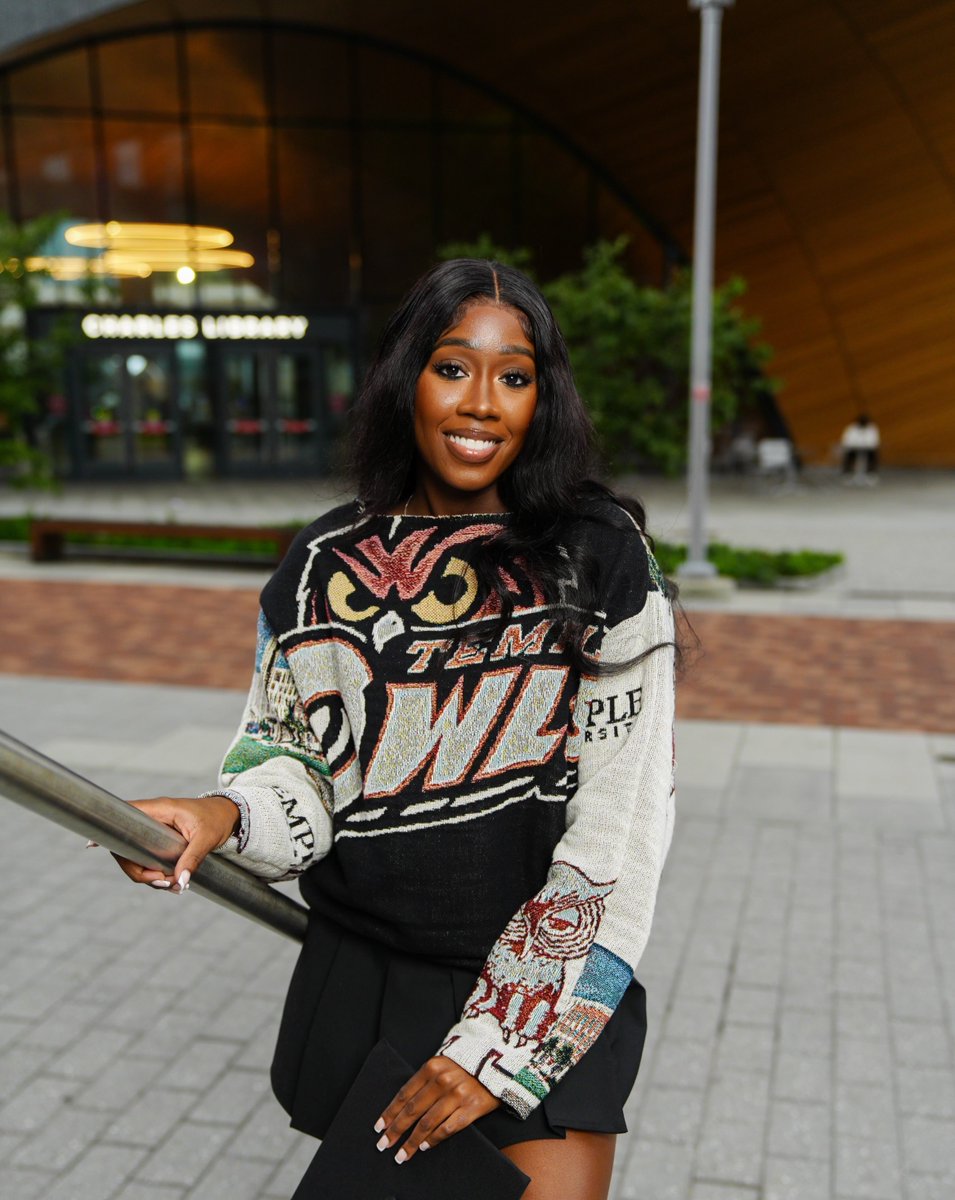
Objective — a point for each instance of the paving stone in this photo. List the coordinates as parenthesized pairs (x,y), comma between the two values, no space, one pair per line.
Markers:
(800,1130)
(230,1100)
(62,1139)
(866,1168)
(745,1047)
(862,1060)
(151,1117)
(680,1063)
(657,1169)
(118,1085)
(752,1005)
(801,1077)
(738,1096)
(671,1115)
(99,1175)
(917,1044)
(926,1091)
(719,1191)
(199,1065)
(19,1183)
(232,1179)
(930,1187)
(792,1179)
(866,1110)
(185,1155)
(929,1144)
(87,1056)
(35,1104)
(730,1152)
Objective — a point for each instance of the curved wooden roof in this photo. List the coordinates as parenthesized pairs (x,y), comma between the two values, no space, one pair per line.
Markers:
(836,175)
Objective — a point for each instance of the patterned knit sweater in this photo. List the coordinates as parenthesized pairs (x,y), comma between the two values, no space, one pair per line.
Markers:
(472,801)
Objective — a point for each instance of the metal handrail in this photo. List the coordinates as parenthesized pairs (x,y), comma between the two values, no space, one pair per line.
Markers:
(59,794)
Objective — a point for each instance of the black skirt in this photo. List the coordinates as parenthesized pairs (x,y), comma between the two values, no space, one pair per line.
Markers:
(348,992)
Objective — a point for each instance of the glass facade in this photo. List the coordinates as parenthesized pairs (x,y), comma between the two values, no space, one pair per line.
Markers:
(337,165)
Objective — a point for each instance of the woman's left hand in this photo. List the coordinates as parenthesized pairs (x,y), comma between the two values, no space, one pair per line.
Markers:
(440,1099)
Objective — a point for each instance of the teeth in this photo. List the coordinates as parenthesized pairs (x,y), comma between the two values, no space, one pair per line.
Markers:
(470,443)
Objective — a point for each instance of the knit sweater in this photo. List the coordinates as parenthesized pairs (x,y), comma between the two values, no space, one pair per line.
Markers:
(469,799)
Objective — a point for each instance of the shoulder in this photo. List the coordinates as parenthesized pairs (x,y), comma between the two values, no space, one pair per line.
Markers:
(627,571)
(279,595)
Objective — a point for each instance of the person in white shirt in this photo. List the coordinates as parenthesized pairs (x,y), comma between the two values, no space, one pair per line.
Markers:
(860,450)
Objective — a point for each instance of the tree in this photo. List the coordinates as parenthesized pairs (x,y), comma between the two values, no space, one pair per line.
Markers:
(29,368)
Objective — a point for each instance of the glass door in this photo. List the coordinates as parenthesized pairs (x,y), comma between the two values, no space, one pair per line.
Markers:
(272,411)
(245,387)
(128,413)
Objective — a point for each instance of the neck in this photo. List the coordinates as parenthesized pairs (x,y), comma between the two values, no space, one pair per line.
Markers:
(430,498)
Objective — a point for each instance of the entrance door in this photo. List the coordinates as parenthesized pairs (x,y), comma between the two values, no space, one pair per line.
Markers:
(128,419)
(272,409)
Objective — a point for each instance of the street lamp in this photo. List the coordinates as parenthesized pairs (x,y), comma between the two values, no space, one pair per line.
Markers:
(697,566)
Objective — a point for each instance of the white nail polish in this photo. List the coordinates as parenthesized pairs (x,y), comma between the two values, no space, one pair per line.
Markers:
(91,845)
(383,1143)
(379,1125)
(424,1146)
(183,880)
(160,883)
(401,1155)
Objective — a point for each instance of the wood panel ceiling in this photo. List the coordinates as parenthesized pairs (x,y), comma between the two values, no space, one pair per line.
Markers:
(836,176)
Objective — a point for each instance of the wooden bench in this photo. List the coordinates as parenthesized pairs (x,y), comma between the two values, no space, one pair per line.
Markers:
(47,534)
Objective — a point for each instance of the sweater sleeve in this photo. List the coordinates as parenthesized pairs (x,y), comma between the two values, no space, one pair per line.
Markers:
(276,774)
(565,959)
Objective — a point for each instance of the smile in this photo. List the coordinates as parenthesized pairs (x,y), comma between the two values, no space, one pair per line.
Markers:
(472,449)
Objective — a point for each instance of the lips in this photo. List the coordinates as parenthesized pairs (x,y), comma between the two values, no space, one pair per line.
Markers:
(472,447)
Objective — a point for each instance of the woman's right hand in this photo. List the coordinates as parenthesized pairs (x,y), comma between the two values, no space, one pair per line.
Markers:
(205,824)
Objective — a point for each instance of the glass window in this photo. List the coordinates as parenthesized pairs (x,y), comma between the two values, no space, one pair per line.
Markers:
(144,160)
(61,81)
(231,173)
(460,102)
(467,212)
(225,73)
(644,255)
(54,157)
(392,88)
(397,211)
(311,77)
(553,205)
(138,74)
(315,180)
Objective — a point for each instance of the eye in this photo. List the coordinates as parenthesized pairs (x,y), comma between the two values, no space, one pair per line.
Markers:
(517,379)
(450,370)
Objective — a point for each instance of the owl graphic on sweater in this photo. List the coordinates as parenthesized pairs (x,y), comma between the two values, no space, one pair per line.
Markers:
(525,973)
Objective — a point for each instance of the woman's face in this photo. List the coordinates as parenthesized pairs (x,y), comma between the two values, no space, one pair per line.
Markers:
(474,404)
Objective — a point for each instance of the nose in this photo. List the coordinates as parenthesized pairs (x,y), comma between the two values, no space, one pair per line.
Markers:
(479,399)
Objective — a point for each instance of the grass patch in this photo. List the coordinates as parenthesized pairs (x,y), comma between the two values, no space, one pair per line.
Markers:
(762,567)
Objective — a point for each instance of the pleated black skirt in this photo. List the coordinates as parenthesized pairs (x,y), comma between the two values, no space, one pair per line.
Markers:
(348,992)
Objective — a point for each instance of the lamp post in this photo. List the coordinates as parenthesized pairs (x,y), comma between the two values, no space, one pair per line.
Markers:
(697,566)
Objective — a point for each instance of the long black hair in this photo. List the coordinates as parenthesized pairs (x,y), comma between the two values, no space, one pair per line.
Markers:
(548,485)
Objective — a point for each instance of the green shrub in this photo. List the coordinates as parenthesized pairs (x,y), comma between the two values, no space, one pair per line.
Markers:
(764,567)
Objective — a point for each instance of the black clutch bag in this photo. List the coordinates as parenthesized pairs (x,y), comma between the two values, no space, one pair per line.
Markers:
(348,1166)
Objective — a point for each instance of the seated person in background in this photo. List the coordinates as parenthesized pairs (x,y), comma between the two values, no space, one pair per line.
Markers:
(860,450)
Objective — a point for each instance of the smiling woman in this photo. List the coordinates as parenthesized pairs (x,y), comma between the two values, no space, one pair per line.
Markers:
(459,735)
(474,404)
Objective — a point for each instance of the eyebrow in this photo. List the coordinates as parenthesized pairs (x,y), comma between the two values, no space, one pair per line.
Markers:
(474,346)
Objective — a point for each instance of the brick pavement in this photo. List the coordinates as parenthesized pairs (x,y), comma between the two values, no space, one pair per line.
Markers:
(879,674)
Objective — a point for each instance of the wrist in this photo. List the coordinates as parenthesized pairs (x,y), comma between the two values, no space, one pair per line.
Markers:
(235,810)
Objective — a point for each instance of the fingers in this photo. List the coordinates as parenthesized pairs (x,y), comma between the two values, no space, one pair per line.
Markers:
(139,874)
(205,823)
(439,1100)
